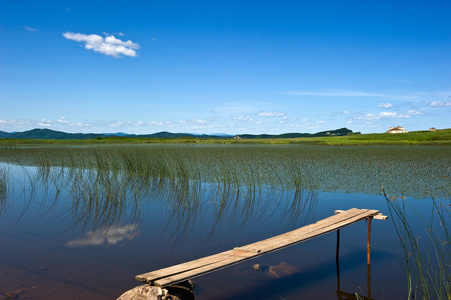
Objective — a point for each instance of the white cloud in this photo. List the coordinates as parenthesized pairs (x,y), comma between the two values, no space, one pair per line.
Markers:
(389,115)
(63,120)
(440,104)
(243,119)
(197,121)
(30,29)
(385,105)
(271,114)
(108,45)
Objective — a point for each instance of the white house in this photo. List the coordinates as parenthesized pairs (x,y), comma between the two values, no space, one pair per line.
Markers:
(396,129)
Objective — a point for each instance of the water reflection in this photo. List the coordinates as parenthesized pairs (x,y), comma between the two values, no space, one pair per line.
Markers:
(109,235)
(102,201)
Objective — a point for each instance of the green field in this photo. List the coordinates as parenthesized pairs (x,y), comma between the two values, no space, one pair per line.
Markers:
(440,137)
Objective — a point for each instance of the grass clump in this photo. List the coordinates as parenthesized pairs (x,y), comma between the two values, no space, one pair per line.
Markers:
(426,255)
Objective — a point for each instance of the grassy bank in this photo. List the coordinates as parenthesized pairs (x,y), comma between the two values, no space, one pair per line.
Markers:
(425,138)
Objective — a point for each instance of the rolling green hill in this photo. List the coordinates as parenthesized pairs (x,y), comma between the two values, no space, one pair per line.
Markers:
(341,136)
(337,132)
(59,135)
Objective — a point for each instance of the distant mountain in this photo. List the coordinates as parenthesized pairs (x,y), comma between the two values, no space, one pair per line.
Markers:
(4,134)
(116,134)
(59,135)
(222,135)
(337,132)
(52,134)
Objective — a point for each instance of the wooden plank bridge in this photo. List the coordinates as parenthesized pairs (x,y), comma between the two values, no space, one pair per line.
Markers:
(179,273)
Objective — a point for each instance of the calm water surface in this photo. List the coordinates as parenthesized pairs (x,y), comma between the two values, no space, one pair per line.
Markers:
(54,248)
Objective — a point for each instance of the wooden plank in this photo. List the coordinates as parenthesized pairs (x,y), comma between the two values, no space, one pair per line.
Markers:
(184,271)
(151,276)
(223,257)
(379,216)
(237,257)
(321,227)
(266,246)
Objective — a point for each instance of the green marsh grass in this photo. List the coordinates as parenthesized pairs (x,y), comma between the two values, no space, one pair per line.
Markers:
(3,188)
(105,182)
(247,169)
(426,255)
(108,184)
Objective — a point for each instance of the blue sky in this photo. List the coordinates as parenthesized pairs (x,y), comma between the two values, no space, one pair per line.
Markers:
(224,66)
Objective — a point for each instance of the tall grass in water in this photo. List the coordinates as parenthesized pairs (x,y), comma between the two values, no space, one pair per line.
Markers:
(3,188)
(237,185)
(427,261)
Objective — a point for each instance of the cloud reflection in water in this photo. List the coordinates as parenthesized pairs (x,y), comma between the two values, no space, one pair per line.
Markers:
(110,235)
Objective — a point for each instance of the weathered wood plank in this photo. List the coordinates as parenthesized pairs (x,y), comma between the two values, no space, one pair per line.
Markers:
(154,275)
(270,245)
(184,271)
(379,216)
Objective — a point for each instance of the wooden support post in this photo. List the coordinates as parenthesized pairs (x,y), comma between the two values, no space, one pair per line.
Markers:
(337,254)
(368,280)
(369,241)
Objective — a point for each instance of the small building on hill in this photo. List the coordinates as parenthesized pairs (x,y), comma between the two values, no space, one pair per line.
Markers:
(396,129)
(432,129)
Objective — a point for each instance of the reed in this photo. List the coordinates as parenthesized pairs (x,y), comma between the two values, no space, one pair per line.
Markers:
(333,168)
(426,255)
(3,188)
(108,185)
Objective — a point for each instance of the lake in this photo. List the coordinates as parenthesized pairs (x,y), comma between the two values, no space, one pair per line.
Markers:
(81,222)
